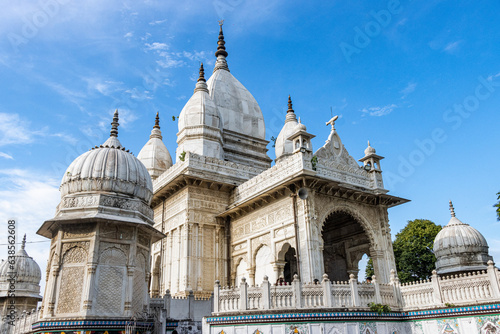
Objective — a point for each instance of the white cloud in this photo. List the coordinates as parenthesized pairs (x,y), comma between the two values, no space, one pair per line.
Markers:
(410,88)
(154,23)
(156,46)
(129,34)
(14,130)
(452,47)
(6,156)
(379,111)
(30,197)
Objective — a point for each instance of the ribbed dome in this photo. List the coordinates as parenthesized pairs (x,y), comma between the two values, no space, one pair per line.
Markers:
(28,275)
(108,168)
(460,247)
(283,146)
(154,155)
(238,108)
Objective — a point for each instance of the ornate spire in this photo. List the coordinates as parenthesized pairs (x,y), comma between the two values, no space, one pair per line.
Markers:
(157,121)
(156,132)
(221,49)
(202,74)
(221,52)
(452,210)
(290,114)
(23,245)
(114,125)
(201,85)
(290,108)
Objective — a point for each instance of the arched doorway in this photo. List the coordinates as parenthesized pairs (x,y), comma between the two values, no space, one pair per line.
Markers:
(344,242)
(263,266)
(287,262)
(290,267)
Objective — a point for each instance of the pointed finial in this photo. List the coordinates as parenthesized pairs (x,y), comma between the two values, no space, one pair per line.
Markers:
(202,74)
(368,143)
(332,122)
(221,49)
(23,245)
(300,121)
(114,125)
(157,121)
(290,109)
(452,210)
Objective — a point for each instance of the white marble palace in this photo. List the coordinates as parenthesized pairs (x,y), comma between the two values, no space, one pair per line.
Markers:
(226,242)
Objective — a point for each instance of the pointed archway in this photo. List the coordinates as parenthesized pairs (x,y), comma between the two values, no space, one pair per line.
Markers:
(344,243)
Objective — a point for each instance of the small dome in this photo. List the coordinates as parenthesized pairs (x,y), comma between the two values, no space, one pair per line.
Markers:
(28,275)
(369,150)
(283,146)
(108,168)
(300,127)
(154,155)
(459,247)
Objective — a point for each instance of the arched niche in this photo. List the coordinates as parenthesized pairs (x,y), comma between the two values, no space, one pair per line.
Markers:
(263,264)
(344,243)
(241,271)
(288,258)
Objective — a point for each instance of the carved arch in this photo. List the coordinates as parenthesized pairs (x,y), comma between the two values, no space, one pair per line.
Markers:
(113,256)
(74,254)
(284,248)
(348,209)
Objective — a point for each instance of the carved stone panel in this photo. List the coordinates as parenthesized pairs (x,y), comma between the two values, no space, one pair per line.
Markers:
(71,286)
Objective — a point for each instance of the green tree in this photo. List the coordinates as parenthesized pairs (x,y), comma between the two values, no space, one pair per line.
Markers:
(413,250)
(498,205)
(369,271)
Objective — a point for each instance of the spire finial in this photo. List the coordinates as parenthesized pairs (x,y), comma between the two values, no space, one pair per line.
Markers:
(23,245)
(221,49)
(202,74)
(452,210)
(157,121)
(332,123)
(290,106)
(114,125)
(368,143)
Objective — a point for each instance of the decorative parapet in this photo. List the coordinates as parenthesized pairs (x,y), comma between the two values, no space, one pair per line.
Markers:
(344,173)
(472,288)
(285,169)
(458,290)
(22,324)
(195,164)
(297,295)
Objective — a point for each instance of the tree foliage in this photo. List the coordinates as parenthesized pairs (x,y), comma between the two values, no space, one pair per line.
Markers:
(498,205)
(369,271)
(413,250)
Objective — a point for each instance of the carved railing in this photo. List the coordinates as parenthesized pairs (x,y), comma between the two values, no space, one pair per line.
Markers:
(298,295)
(472,288)
(21,324)
(458,290)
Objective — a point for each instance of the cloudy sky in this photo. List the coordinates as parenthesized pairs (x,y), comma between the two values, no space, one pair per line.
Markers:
(420,81)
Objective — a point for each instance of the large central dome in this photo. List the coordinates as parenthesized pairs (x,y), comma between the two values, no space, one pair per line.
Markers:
(239,110)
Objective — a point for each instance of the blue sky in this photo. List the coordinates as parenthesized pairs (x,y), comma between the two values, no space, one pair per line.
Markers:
(420,81)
